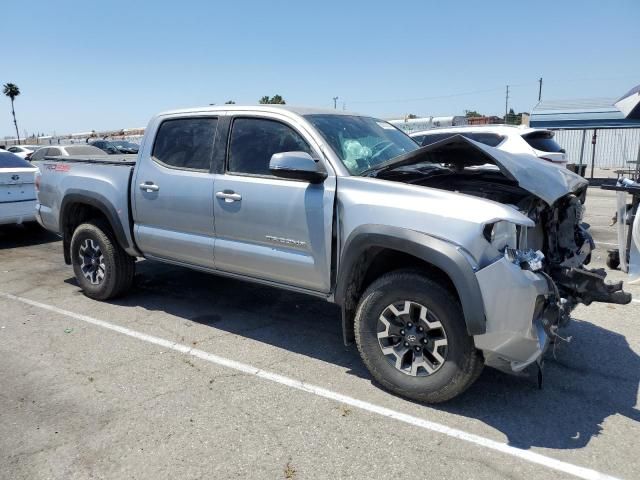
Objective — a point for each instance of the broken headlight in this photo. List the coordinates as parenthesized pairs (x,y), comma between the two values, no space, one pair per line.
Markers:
(502,235)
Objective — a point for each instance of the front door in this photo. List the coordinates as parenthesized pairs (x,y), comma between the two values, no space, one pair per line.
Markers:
(266,227)
(173,192)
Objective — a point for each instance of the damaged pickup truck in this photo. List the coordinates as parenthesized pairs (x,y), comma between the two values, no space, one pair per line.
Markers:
(443,258)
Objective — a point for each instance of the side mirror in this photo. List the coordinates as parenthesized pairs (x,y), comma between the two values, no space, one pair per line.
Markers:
(296,166)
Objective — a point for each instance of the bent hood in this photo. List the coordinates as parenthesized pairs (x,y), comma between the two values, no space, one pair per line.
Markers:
(542,179)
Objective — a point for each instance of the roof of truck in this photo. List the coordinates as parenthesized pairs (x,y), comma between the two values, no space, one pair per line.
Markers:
(260,108)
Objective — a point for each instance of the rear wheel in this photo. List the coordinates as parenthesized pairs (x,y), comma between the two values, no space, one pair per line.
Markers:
(411,334)
(102,268)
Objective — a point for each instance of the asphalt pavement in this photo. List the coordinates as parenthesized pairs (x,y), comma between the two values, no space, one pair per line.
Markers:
(196,376)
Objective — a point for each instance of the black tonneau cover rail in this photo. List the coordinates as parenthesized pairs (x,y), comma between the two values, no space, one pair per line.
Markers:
(102,159)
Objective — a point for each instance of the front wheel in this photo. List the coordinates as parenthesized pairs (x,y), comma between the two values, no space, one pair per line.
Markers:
(103,269)
(411,334)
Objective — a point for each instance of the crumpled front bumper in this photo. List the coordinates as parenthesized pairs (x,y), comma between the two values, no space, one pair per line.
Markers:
(515,301)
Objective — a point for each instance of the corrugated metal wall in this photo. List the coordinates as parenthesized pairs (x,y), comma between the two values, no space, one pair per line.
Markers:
(615,147)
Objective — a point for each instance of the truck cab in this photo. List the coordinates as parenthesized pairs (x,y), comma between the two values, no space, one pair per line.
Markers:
(238,217)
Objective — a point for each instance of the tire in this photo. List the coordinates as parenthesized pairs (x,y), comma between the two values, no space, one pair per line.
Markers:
(114,268)
(613,260)
(448,362)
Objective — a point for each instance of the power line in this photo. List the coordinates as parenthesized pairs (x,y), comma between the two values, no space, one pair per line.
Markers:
(451,95)
(425,98)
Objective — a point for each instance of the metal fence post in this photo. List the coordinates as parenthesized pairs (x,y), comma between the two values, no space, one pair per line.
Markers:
(584,137)
(593,150)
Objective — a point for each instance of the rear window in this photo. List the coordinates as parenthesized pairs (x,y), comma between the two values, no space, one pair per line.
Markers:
(487,138)
(9,160)
(543,141)
(186,143)
(83,150)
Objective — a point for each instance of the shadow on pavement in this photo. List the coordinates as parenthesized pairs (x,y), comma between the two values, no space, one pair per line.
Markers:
(12,236)
(594,377)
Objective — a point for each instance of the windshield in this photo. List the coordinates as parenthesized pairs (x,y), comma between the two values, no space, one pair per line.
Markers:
(83,150)
(362,143)
(125,144)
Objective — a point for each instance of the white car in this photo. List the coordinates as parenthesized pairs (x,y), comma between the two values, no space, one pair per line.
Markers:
(23,151)
(65,151)
(17,190)
(512,139)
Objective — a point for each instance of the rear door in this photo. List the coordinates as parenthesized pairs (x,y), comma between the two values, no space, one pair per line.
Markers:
(266,227)
(173,192)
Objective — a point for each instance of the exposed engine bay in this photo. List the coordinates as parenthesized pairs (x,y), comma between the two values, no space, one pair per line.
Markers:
(559,246)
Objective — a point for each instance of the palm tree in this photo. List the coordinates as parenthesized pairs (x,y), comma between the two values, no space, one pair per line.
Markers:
(11,90)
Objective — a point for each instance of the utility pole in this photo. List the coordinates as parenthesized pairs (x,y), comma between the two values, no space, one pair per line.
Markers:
(506,104)
(335,103)
(540,89)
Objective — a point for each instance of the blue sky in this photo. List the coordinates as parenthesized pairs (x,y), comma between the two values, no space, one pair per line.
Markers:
(81,66)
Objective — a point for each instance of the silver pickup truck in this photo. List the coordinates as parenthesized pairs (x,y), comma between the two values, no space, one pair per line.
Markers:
(443,258)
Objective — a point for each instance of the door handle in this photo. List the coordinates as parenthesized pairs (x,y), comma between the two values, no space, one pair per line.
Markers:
(229,196)
(149,187)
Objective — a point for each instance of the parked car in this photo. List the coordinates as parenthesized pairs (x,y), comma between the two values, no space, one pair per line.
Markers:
(512,139)
(17,192)
(106,146)
(23,151)
(65,151)
(438,264)
(126,147)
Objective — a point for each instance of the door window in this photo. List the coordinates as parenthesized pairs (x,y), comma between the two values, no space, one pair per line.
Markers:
(255,140)
(185,143)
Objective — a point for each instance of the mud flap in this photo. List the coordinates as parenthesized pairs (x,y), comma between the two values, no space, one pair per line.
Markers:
(589,285)
(540,364)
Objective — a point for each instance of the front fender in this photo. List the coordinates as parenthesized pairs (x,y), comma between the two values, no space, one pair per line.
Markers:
(439,253)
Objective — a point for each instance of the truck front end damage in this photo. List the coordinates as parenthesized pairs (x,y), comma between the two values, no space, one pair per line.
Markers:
(531,273)
(529,293)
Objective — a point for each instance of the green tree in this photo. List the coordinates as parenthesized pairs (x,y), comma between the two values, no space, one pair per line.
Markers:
(11,90)
(471,113)
(275,100)
(278,100)
(513,118)
(229,102)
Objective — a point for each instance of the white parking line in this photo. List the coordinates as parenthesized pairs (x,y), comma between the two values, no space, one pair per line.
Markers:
(526,455)
(607,244)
